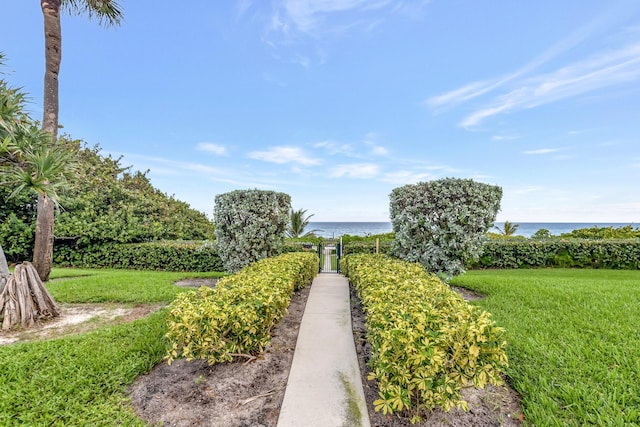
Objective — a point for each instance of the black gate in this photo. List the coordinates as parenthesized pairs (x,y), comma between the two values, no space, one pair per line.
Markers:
(329,253)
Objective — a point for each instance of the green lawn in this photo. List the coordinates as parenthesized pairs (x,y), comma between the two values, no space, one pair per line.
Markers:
(75,285)
(574,341)
(81,380)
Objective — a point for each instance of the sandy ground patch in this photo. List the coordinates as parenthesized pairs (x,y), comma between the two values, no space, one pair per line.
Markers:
(77,318)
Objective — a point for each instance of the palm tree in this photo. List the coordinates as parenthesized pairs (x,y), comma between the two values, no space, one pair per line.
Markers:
(509,229)
(109,13)
(29,160)
(298,222)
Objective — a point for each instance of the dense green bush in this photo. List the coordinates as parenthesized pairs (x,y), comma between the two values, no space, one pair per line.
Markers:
(109,203)
(164,256)
(366,247)
(442,224)
(250,225)
(595,232)
(579,253)
(293,245)
(105,204)
(427,342)
(235,318)
(16,237)
(347,238)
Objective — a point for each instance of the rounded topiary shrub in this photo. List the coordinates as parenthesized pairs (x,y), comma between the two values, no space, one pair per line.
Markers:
(442,224)
(250,225)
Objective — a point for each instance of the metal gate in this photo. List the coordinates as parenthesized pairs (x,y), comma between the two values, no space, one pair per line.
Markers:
(329,253)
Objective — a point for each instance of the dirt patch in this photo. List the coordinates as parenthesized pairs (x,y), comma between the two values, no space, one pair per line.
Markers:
(237,394)
(197,282)
(78,318)
(468,294)
(489,407)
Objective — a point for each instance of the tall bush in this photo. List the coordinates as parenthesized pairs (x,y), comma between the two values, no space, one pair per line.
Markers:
(442,224)
(250,225)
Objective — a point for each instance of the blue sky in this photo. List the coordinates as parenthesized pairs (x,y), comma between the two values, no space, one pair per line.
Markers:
(337,102)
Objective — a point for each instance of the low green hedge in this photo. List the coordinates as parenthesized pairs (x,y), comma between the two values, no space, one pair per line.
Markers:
(578,253)
(366,247)
(234,318)
(427,342)
(163,256)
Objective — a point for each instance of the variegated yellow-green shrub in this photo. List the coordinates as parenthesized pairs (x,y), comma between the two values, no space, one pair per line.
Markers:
(427,342)
(234,318)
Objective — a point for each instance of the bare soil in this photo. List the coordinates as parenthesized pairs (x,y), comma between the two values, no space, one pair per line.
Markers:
(78,318)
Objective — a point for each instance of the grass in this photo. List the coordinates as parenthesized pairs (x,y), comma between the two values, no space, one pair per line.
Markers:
(574,341)
(81,380)
(126,286)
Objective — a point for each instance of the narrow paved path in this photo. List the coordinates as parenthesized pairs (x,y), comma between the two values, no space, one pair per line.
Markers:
(324,387)
(327,258)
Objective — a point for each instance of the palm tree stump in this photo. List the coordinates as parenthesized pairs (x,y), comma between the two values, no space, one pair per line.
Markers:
(24,300)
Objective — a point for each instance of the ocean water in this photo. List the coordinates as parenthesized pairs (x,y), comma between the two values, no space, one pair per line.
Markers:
(337,229)
(526,229)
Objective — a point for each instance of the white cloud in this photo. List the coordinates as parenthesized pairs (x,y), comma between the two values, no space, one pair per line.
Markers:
(458,96)
(318,18)
(475,89)
(302,60)
(606,69)
(376,149)
(379,150)
(283,154)
(212,148)
(406,177)
(333,148)
(541,151)
(306,15)
(355,170)
(524,190)
(503,137)
(242,6)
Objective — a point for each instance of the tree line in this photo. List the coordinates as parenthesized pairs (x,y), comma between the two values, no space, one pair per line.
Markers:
(98,199)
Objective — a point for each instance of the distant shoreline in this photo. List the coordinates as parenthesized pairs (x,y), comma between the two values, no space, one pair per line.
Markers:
(363,228)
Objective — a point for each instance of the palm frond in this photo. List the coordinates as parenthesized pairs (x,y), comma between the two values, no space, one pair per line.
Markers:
(39,166)
(109,13)
(298,222)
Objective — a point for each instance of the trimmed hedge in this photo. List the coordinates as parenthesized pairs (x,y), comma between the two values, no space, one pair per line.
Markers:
(577,253)
(427,342)
(366,247)
(235,318)
(163,256)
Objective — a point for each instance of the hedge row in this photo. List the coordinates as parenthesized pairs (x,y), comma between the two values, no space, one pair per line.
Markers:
(427,342)
(384,246)
(164,256)
(577,253)
(234,318)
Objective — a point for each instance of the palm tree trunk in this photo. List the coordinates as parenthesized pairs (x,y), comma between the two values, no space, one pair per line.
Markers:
(53,56)
(43,249)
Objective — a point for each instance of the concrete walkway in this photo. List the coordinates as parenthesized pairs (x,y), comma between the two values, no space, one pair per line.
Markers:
(324,387)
